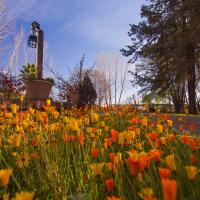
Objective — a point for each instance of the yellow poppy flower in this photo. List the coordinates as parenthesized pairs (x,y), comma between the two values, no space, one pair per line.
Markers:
(121,138)
(14,108)
(87,120)
(159,128)
(14,140)
(171,162)
(22,160)
(73,125)
(169,122)
(21,98)
(191,172)
(144,121)
(97,168)
(4,176)
(163,140)
(6,196)
(94,117)
(146,193)
(24,196)
(48,102)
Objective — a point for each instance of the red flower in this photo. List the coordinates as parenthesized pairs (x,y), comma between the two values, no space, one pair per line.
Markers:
(35,142)
(155,154)
(164,173)
(169,188)
(110,184)
(153,136)
(94,153)
(71,138)
(136,166)
(80,138)
(112,156)
(113,135)
(193,158)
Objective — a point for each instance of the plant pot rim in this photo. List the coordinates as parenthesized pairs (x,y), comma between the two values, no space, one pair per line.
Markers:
(38,80)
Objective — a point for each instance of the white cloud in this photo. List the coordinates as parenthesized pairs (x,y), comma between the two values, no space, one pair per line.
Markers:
(106,23)
(37,9)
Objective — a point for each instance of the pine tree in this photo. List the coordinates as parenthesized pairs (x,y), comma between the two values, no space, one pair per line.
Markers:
(170,38)
(87,92)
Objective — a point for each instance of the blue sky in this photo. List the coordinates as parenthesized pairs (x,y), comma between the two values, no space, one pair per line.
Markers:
(76,27)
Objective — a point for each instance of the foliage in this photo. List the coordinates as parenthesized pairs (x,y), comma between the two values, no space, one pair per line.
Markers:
(80,83)
(51,80)
(169,40)
(87,92)
(10,86)
(97,153)
(29,72)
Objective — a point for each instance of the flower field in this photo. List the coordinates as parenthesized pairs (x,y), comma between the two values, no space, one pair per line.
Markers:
(96,154)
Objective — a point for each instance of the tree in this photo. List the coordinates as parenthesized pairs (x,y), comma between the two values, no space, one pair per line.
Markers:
(100,83)
(79,83)
(87,92)
(156,83)
(115,75)
(16,50)
(10,86)
(170,37)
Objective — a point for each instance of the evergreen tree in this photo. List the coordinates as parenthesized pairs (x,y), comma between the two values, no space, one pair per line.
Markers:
(170,38)
(87,92)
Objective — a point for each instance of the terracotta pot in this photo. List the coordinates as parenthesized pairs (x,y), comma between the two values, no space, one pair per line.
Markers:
(38,89)
(5,103)
(74,97)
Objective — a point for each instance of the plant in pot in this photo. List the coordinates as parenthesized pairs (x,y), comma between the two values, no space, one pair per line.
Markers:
(36,89)
(10,89)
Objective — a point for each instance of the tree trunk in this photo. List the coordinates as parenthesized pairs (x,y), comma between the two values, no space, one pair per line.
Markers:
(191,78)
(178,107)
(191,90)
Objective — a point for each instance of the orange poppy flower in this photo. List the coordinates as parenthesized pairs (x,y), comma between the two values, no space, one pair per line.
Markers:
(112,156)
(193,158)
(171,137)
(134,120)
(35,142)
(94,153)
(113,135)
(155,154)
(153,136)
(80,138)
(113,198)
(192,143)
(164,173)
(192,127)
(71,138)
(64,137)
(44,118)
(110,184)
(165,117)
(181,128)
(158,143)
(34,155)
(131,128)
(169,188)
(108,142)
(137,165)
(185,138)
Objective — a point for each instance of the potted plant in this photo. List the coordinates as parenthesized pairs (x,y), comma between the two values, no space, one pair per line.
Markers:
(10,89)
(36,89)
